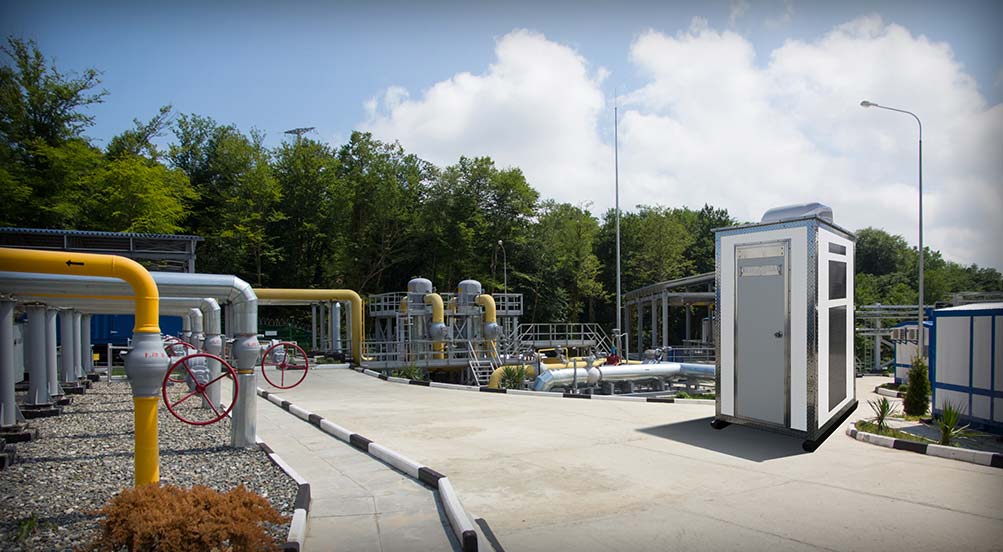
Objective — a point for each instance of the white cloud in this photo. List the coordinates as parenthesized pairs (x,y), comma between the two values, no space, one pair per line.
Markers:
(537,107)
(737,10)
(717,122)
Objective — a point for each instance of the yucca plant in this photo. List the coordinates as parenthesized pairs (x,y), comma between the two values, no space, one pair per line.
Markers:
(883,409)
(412,372)
(950,431)
(513,377)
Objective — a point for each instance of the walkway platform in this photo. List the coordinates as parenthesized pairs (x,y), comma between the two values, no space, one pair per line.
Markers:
(358,503)
(561,474)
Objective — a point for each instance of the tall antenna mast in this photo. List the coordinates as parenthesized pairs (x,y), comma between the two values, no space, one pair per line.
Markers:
(616,179)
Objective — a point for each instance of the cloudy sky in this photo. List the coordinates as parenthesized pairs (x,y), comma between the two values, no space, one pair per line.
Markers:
(744,105)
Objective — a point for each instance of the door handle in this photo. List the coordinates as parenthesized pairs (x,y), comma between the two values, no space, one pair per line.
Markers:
(778,335)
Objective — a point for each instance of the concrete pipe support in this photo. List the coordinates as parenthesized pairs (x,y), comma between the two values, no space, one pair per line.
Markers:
(38,379)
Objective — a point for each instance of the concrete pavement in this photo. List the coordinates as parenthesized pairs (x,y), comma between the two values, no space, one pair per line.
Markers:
(560,474)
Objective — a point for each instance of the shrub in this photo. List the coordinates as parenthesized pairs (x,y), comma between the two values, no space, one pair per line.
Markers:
(883,409)
(411,372)
(917,397)
(513,377)
(172,519)
(950,417)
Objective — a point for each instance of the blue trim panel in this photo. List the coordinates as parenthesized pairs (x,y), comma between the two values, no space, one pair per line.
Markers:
(970,390)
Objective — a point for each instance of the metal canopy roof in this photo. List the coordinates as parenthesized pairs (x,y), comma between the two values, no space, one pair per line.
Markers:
(164,252)
(705,279)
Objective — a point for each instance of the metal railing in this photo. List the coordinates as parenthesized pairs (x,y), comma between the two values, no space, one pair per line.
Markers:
(549,335)
(508,304)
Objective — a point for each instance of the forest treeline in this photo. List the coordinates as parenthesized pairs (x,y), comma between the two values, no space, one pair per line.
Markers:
(365,215)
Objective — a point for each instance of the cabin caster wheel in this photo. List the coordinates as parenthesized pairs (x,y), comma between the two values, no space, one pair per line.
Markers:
(719,424)
(810,446)
(186,379)
(281,358)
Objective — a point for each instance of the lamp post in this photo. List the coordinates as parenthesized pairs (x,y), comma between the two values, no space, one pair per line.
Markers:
(504,265)
(919,327)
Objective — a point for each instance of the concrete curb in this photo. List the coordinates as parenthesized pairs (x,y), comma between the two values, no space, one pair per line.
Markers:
(459,519)
(884,391)
(528,393)
(992,459)
(301,507)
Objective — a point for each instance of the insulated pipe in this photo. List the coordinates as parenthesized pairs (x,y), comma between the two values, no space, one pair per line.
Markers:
(336,327)
(86,354)
(281,296)
(146,363)
(494,381)
(67,351)
(38,387)
(78,348)
(186,327)
(8,408)
(52,376)
(438,329)
(490,330)
(198,334)
(213,344)
(629,372)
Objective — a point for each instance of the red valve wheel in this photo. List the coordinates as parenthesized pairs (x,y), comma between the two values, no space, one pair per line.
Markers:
(283,357)
(175,392)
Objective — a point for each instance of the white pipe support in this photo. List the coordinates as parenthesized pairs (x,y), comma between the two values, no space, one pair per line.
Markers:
(67,351)
(38,385)
(8,406)
(78,369)
(51,355)
(86,353)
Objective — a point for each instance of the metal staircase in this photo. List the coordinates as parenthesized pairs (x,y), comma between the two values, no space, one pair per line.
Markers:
(482,362)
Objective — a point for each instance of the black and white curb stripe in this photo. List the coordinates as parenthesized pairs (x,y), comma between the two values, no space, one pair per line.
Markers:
(993,459)
(884,391)
(459,520)
(525,392)
(301,507)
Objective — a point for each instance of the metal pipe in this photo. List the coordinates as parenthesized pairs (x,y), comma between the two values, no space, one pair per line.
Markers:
(437,332)
(336,327)
(145,364)
(624,372)
(86,354)
(198,333)
(51,370)
(38,387)
(8,407)
(186,327)
(313,326)
(67,350)
(78,369)
(236,292)
(280,296)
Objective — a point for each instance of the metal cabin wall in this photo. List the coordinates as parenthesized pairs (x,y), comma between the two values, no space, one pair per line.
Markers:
(966,364)
(801,315)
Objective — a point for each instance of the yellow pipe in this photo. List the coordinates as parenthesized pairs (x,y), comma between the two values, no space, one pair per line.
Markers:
(438,317)
(582,363)
(147,297)
(147,451)
(490,312)
(325,295)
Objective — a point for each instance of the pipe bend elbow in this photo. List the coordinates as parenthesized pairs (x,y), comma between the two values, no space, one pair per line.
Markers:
(490,311)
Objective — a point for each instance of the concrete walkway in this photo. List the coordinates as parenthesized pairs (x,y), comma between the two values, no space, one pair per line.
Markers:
(359,503)
(562,474)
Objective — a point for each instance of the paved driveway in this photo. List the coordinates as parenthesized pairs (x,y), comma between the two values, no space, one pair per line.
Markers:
(560,474)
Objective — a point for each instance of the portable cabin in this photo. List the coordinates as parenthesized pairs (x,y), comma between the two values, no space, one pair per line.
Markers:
(784,330)
(966,368)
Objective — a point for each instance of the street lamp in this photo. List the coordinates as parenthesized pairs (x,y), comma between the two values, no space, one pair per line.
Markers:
(919,328)
(504,265)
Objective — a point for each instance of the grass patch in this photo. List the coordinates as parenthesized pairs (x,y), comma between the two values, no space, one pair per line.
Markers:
(871,427)
(705,396)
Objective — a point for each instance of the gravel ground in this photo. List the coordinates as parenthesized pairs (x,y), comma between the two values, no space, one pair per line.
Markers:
(85,456)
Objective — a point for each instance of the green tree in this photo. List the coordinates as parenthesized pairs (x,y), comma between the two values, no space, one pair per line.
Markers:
(134,194)
(917,397)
